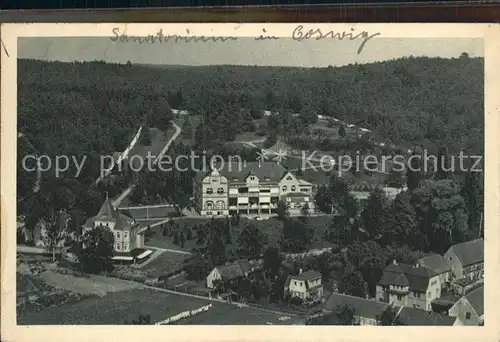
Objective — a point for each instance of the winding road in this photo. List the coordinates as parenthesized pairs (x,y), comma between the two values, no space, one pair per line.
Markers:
(127,191)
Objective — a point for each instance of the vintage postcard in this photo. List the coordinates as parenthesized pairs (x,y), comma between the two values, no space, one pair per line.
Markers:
(250,181)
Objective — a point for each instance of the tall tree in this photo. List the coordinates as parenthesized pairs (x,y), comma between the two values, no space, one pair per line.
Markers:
(55,231)
(282,210)
(441,213)
(374,214)
(472,192)
(296,236)
(353,284)
(346,314)
(197,267)
(389,317)
(404,221)
(251,242)
(272,260)
(340,230)
(444,167)
(414,171)
(96,253)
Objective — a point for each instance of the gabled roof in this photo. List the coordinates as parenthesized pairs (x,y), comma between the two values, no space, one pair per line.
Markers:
(235,270)
(414,316)
(469,252)
(362,307)
(476,299)
(435,262)
(308,275)
(109,213)
(266,172)
(417,278)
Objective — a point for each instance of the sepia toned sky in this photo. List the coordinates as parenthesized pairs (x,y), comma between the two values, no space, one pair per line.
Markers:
(245,51)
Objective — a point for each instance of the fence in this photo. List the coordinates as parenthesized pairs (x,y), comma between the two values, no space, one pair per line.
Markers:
(185,314)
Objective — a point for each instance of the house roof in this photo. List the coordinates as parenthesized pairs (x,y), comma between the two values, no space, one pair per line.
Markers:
(435,262)
(266,171)
(414,316)
(476,299)
(109,213)
(308,275)
(446,300)
(469,252)
(235,270)
(362,307)
(417,278)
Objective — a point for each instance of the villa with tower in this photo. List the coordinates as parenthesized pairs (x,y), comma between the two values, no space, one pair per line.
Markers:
(128,234)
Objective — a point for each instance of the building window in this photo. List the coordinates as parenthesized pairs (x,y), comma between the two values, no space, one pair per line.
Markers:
(209,213)
(252,178)
(284,188)
(210,191)
(293,188)
(117,246)
(295,283)
(289,178)
(125,246)
(467,315)
(400,297)
(125,235)
(117,235)
(219,213)
(209,204)
(220,190)
(214,180)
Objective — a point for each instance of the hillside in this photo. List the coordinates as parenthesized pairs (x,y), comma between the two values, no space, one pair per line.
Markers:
(411,100)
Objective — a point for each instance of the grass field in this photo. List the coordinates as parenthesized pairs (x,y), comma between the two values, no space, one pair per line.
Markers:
(118,307)
(115,308)
(164,263)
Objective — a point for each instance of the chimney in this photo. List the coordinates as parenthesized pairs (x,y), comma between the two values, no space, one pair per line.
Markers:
(300,271)
(417,265)
(260,162)
(394,262)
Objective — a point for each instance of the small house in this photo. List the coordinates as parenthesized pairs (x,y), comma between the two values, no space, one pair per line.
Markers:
(236,270)
(306,285)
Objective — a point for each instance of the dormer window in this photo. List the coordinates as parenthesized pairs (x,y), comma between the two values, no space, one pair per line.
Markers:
(252,178)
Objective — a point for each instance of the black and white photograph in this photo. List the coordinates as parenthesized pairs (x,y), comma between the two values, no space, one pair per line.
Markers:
(317,177)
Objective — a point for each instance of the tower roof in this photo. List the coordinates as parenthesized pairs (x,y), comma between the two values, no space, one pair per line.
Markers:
(107,211)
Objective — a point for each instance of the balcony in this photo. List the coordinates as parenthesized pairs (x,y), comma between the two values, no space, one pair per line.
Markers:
(399,290)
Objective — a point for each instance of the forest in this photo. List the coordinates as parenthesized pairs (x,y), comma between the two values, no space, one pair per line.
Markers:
(95,108)
(415,101)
